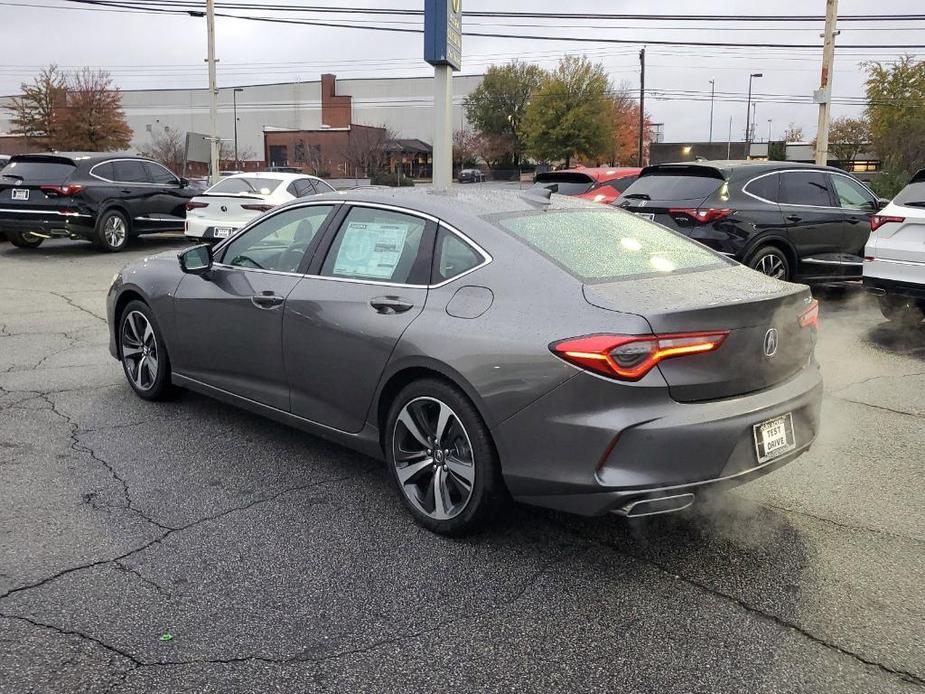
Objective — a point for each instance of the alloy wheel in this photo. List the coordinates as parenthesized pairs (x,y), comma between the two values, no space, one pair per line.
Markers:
(139,350)
(114,231)
(433,458)
(772,266)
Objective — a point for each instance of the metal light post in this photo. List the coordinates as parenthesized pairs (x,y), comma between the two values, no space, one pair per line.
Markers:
(712,94)
(769,133)
(748,114)
(234,100)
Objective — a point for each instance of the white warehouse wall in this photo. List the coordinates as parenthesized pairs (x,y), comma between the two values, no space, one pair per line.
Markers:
(403,104)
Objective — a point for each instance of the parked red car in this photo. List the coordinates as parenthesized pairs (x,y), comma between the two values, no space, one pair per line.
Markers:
(600,184)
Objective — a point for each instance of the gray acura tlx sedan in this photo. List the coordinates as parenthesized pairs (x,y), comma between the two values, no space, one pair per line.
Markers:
(487,344)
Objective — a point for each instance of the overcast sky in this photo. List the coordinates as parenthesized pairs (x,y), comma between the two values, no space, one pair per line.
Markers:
(145,51)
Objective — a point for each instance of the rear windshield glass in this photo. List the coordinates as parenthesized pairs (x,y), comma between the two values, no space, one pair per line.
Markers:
(569,183)
(673,187)
(246,184)
(913,195)
(607,244)
(53,172)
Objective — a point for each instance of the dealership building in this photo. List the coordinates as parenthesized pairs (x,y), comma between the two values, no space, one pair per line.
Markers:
(403,105)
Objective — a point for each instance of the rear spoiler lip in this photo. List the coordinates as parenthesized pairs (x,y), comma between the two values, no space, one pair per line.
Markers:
(234,196)
(711,171)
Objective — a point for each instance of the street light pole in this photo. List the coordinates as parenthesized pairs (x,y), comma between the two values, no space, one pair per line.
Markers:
(712,94)
(748,114)
(234,100)
(213,93)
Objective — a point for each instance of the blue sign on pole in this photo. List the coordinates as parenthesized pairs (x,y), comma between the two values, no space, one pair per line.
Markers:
(443,32)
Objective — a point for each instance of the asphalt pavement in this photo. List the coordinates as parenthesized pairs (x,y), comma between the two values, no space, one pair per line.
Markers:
(187,546)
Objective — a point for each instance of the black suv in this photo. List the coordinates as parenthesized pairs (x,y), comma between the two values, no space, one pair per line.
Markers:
(103,198)
(790,221)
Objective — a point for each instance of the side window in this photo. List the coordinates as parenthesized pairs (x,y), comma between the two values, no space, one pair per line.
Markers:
(104,171)
(160,174)
(129,171)
(381,245)
(291,189)
(279,242)
(304,187)
(453,257)
(805,188)
(851,194)
(767,187)
(323,186)
(621,184)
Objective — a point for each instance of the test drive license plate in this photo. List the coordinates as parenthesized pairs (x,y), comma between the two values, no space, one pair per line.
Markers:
(222,232)
(20,193)
(774,437)
(646,215)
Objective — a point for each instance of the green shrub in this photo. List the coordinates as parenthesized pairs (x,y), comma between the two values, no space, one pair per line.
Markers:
(390,179)
(889,182)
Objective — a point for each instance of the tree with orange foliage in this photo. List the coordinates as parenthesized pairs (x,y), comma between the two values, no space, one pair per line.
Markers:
(92,119)
(625,114)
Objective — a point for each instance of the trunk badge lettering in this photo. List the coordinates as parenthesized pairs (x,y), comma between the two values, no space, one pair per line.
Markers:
(771,341)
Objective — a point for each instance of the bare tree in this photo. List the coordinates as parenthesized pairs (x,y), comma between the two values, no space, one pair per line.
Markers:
(168,147)
(366,150)
(36,112)
(467,146)
(92,119)
(793,133)
(226,152)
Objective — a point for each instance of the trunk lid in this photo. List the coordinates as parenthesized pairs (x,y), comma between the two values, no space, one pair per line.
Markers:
(23,179)
(222,210)
(742,301)
(904,241)
(662,188)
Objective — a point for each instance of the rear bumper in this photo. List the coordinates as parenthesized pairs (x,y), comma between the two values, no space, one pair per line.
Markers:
(898,277)
(879,285)
(570,452)
(49,224)
(204,229)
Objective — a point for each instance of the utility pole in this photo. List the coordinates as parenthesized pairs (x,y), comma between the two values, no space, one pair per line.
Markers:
(213,93)
(824,95)
(642,100)
(712,94)
(748,115)
(234,99)
(729,141)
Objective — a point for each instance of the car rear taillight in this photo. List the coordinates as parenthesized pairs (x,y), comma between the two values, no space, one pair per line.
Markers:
(257,208)
(878,220)
(61,191)
(630,357)
(196,205)
(810,317)
(701,215)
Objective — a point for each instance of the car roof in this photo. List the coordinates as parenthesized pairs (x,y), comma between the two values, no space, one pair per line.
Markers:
(600,174)
(458,207)
(731,168)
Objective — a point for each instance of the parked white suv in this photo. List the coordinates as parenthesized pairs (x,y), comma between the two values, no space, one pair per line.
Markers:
(894,258)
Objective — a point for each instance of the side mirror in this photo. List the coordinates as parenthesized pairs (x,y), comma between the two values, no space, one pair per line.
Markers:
(196,260)
(184,182)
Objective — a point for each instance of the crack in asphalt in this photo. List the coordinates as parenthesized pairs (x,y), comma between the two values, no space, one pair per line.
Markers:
(144,579)
(78,634)
(71,303)
(173,531)
(751,609)
(846,526)
(874,378)
(878,407)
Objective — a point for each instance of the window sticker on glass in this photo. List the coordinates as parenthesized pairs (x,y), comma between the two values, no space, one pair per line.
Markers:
(370,249)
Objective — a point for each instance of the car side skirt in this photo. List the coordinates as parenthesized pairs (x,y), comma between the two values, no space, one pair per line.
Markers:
(366,441)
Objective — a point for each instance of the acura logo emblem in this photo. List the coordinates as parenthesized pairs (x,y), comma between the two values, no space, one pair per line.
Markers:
(771,341)
(224,209)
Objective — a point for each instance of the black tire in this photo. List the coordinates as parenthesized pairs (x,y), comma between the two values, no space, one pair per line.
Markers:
(23,239)
(900,310)
(466,438)
(112,231)
(771,261)
(156,386)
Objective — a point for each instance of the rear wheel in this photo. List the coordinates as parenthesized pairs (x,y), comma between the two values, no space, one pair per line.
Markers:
(23,239)
(901,310)
(441,459)
(772,262)
(111,231)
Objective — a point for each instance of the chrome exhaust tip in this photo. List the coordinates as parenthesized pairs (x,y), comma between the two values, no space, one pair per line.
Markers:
(654,507)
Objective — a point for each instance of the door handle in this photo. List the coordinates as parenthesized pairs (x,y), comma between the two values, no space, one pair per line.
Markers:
(126,191)
(390,304)
(267,300)
(793,218)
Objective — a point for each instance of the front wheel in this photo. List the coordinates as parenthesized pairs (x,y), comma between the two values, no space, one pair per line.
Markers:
(900,310)
(441,459)
(143,353)
(772,262)
(23,239)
